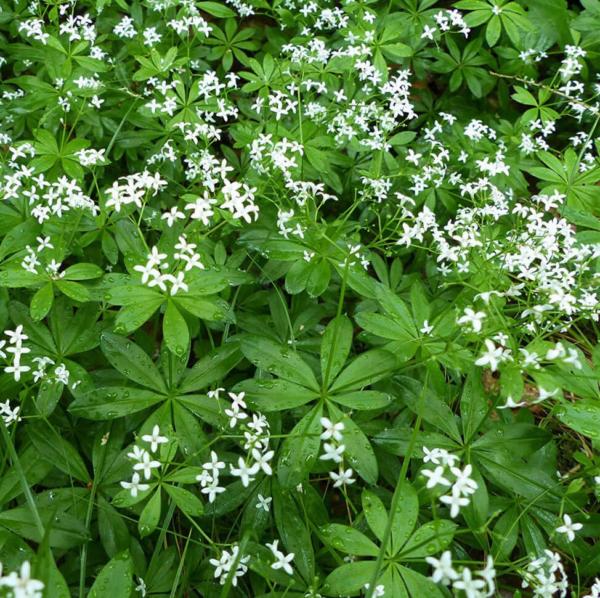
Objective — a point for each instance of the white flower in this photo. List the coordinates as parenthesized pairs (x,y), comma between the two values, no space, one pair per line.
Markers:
(237,400)
(463,483)
(443,572)
(472,318)
(146,465)
(493,357)
(455,502)
(510,404)
(244,472)
(426,328)
(333,453)
(468,585)
(378,592)
(214,465)
(263,502)
(342,478)
(141,587)
(177,282)
(134,486)
(436,477)
(569,528)
(155,438)
(137,453)
(331,430)
(17,369)
(225,563)
(281,561)
(261,460)
(23,586)
(212,490)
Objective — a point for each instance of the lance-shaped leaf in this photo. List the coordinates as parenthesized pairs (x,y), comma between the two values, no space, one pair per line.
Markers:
(111,402)
(281,361)
(132,361)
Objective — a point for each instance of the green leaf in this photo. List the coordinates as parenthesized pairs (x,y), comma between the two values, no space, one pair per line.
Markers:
(362,400)
(150,515)
(422,401)
(349,579)
(583,416)
(473,404)
(383,326)
(175,330)
(275,395)
(211,369)
(375,513)
(348,540)
(300,449)
(58,451)
(82,271)
(505,534)
(397,52)
(358,448)
(189,503)
(112,402)
(19,237)
(73,290)
(131,317)
(47,572)
(13,279)
(279,360)
(292,526)
(48,396)
(431,538)
(115,579)
(318,278)
(419,585)
(41,302)
(132,361)
(405,516)
(216,9)
(493,30)
(335,347)
(366,369)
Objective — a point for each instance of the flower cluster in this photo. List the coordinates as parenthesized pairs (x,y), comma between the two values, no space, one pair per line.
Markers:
(9,414)
(334,448)
(546,575)
(447,475)
(47,198)
(256,437)
(16,349)
(144,462)
(463,580)
(134,189)
(231,563)
(209,478)
(153,271)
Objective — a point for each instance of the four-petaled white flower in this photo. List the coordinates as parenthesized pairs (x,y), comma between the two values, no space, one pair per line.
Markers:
(436,477)
(146,465)
(342,478)
(155,438)
(473,318)
(282,561)
(244,472)
(443,571)
(134,486)
(569,528)
(263,502)
(331,430)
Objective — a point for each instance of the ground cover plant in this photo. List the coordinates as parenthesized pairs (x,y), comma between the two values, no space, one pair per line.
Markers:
(299,298)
